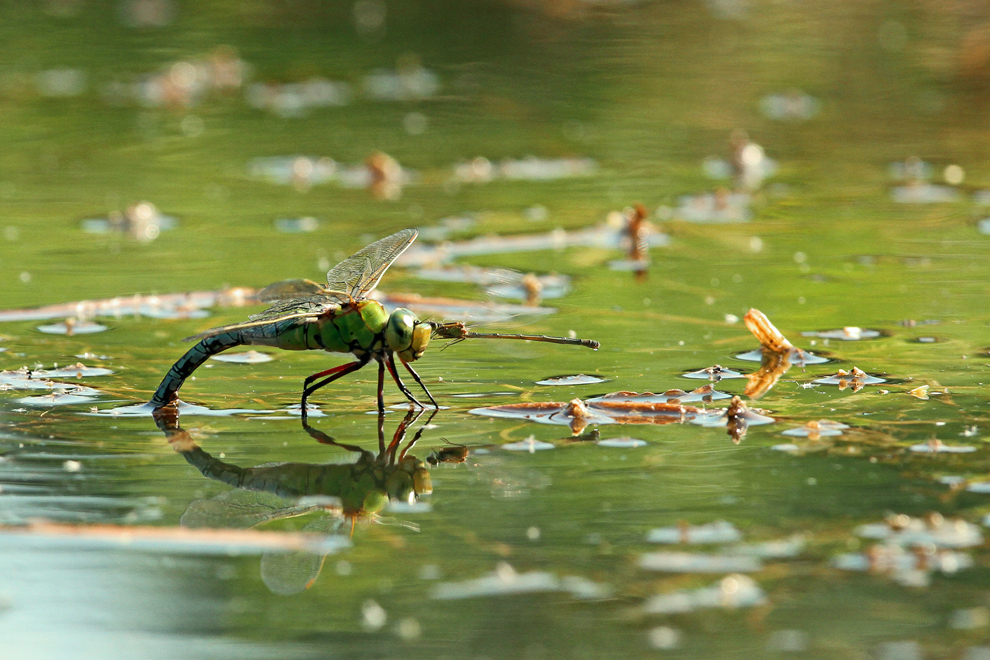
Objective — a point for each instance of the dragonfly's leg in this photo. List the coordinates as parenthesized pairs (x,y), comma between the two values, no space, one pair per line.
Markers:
(421,383)
(398,381)
(331,375)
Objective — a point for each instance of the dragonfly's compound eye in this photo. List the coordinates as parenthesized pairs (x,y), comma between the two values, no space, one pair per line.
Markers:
(421,337)
(400,329)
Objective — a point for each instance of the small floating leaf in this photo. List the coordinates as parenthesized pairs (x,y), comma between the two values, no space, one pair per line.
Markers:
(939,447)
(621,443)
(714,373)
(920,392)
(719,531)
(77,328)
(530,444)
(818,429)
(246,357)
(696,562)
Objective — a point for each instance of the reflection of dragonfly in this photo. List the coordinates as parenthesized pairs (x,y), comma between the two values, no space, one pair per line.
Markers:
(276,491)
(338,318)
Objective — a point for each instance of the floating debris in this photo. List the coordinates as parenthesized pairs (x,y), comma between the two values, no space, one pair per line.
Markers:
(737,418)
(245,357)
(409,81)
(717,207)
(748,165)
(920,392)
(67,397)
(78,370)
(934,530)
(815,430)
(380,173)
(72,327)
(576,379)
(664,638)
(854,379)
(936,446)
(505,581)
(776,355)
(793,105)
(714,373)
(302,225)
(696,562)
(531,168)
(530,444)
(142,221)
(293,100)
(719,531)
(579,414)
(906,566)
(703,394)
(730,592)
(637,229)
(621,443)
(848,333)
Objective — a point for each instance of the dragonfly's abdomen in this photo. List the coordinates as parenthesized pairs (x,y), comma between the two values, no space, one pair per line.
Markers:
(188,363)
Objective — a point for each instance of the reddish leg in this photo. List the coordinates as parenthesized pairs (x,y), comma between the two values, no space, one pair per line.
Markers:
(331,375)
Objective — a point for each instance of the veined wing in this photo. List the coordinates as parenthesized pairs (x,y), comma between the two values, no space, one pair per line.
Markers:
(358,274)
(313,305)
(287,289)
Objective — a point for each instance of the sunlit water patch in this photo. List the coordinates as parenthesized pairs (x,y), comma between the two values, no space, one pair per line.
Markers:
(576,379)
(822,428)
(848,333)
(798,358)
(732,592)
(505,581)
(245,357)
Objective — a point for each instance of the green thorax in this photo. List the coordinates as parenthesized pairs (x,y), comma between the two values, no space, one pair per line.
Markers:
(355,329)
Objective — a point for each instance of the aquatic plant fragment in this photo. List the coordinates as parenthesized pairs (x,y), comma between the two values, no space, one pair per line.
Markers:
(855,379)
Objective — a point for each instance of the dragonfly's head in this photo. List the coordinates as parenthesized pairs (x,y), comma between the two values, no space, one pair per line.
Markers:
(406,335)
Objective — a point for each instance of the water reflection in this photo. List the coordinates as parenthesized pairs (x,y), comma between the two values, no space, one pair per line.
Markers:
(336,492)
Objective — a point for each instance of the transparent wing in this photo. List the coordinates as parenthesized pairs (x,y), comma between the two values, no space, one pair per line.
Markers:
(290,289)
(358,274)
(313,305)
(240,509)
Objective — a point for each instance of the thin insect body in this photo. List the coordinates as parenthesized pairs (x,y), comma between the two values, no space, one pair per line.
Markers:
(337,318)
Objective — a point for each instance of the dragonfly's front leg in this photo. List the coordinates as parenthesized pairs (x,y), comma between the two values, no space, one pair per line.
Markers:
(331,375)
(421,383)
(398,381)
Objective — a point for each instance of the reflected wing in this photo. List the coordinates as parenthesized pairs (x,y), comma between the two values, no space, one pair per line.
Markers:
(358,274)
(240,509)
(290,289)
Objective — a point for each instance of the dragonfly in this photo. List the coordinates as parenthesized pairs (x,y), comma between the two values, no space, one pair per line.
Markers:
(338,318)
